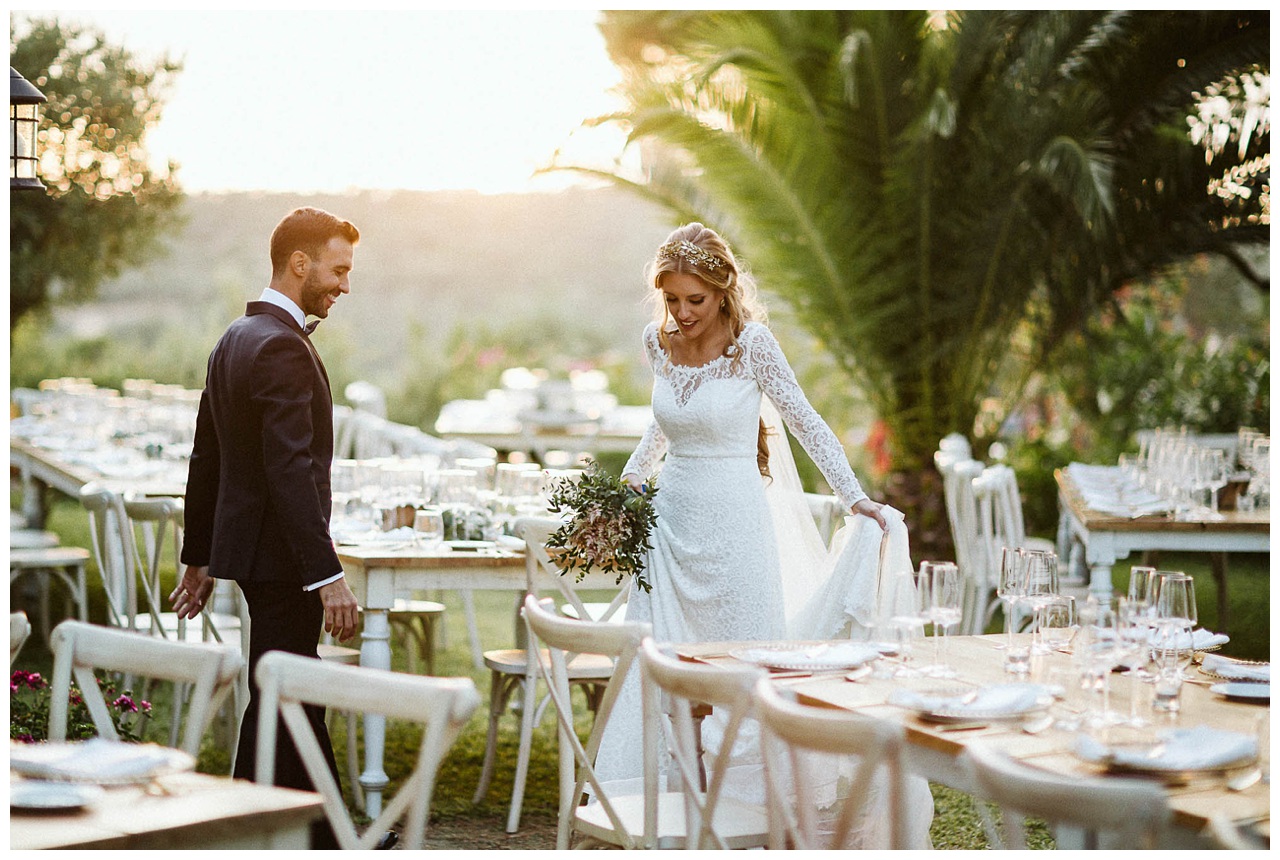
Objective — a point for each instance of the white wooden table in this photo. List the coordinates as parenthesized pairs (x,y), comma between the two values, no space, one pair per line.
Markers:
(377,576)
(1107,538)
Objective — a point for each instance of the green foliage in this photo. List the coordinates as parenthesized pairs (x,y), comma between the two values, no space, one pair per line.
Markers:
(610,526)
(918,186)
(29,695)
(1133,367)
(106,208)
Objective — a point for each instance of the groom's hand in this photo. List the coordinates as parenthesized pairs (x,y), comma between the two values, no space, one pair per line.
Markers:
(192,592)
(340,610)
(868,508)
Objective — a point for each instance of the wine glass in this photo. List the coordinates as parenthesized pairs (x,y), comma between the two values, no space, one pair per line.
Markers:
(1096,654)
(1215,474)
(1041,575)
(1176,611)
(1010,589)
(945,596)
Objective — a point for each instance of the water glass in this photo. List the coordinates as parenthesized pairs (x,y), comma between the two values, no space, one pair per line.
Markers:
(1167,691)
(428,529)
(1056,622)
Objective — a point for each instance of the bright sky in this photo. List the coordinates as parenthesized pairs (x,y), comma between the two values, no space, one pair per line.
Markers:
(328,100)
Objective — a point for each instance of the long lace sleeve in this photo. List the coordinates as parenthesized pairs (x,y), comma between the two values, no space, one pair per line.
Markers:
(778,381)
(653,445)
(644,460)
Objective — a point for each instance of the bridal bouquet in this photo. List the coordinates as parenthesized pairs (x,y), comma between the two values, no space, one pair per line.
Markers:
(610,527)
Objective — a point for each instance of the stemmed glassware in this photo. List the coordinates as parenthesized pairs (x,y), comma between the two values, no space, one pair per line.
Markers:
(1097,652)
(1041,576)
(1174,621)
(1011,589)
(940,604)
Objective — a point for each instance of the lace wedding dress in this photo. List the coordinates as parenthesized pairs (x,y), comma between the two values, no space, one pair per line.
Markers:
(715,565)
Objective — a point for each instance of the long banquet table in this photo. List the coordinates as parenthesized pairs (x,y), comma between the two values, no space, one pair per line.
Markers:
(935,752)
(1108,538)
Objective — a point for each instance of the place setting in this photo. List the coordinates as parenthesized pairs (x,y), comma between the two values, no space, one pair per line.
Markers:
(65,777)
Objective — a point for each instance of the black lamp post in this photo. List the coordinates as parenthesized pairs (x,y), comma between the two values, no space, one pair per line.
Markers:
(24,122)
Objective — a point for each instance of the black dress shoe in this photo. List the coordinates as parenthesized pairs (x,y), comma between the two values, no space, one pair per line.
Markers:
(388,841)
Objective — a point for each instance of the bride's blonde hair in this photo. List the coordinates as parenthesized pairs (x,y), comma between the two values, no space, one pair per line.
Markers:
(697,250)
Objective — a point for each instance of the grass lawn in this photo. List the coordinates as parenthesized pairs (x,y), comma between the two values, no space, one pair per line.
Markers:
(956,823)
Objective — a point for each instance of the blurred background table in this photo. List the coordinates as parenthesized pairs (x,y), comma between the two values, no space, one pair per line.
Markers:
(1107,538)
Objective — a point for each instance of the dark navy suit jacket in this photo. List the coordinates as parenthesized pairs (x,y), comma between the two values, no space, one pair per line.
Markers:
(258,496)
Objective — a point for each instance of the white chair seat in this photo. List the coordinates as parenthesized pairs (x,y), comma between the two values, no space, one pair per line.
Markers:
(740,824)
(31,539)
(582,668)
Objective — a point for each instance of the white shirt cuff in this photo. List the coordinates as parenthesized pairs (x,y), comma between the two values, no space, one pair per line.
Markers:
(313,586)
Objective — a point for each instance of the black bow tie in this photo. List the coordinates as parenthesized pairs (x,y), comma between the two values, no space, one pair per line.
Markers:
(310,327)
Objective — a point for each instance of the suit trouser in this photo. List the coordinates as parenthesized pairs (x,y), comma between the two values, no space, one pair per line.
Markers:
(282,617)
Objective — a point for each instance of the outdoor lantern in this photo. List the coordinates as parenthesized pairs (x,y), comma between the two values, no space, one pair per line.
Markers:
(24,122)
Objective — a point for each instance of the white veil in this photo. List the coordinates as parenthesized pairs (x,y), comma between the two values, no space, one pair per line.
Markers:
(851,588)
(864,576)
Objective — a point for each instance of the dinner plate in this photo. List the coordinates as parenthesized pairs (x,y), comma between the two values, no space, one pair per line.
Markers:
(98,761)
(995,703)
(1173,755)
(817,658)
(1240,691)
(37,796)
(1238,670)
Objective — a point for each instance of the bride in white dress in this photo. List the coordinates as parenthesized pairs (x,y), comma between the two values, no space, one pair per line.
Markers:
(714,566)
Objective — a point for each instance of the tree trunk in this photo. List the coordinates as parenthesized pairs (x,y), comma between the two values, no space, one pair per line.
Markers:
(918,494)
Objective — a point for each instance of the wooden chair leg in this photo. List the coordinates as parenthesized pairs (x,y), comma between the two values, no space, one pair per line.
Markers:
(497,704)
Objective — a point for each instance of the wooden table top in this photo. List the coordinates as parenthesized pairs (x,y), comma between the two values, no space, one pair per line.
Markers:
(373,555)
(981,663)
(1232,521)
(177,811)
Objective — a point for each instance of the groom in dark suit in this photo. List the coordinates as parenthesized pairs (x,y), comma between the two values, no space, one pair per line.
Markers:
(258,498)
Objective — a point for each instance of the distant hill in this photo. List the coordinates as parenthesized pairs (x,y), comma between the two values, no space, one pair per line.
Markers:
(431,258)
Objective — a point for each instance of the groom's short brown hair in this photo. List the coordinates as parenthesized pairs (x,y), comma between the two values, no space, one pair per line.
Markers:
(307,229)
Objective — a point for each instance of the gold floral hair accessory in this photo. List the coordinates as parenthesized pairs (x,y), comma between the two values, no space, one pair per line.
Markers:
(692,253)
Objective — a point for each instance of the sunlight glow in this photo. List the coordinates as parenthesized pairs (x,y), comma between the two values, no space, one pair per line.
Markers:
(323,100)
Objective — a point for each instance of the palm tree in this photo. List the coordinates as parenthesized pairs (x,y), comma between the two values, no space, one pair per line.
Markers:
(918,186)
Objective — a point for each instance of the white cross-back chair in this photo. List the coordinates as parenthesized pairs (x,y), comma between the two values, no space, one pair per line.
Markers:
(792,734)
(713,820)
(19,630)
(113,550)
(208,670)
(1095,813)
(156,524)
(441,705)
(514,671)
(646,820)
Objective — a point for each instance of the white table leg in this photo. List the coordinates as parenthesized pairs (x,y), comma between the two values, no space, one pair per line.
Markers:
(473,630)
(375,653)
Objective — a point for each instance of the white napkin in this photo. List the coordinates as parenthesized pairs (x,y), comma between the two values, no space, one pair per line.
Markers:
(836,656)
(1200,639)
(92,760)
(1181,749)
(994,701)
(1228,668)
